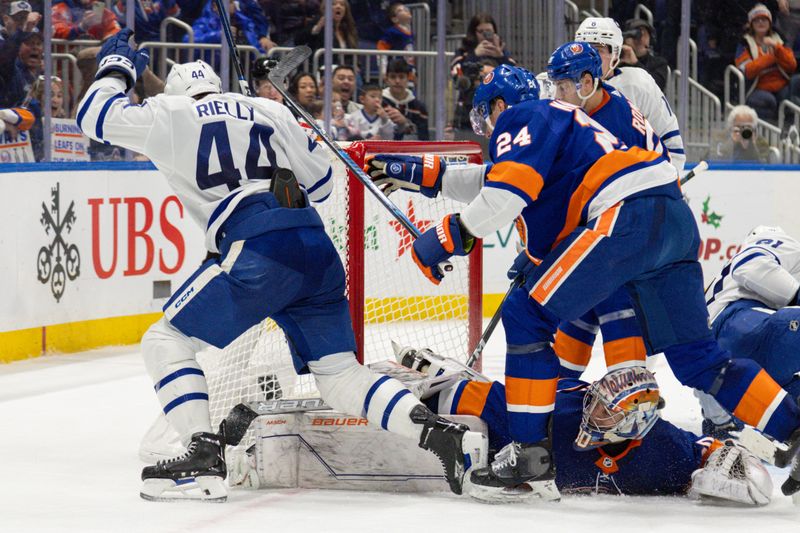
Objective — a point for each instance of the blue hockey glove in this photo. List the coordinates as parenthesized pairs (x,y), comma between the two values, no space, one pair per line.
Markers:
(411,173)
(522,266)
(117,55)
(440,243)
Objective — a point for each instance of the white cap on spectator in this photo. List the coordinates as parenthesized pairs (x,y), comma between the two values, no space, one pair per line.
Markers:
(759,10)
(19,7)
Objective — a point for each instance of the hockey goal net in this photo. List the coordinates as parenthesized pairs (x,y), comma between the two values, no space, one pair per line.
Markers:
(389,298)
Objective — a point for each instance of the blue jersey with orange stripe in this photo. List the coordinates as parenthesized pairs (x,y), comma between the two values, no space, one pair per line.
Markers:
(568,169)
(661,463)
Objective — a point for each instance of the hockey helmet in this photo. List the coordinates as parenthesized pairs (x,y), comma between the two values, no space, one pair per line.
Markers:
(623,405)
(602,30)
(512,84)
(192,79)
(570,61)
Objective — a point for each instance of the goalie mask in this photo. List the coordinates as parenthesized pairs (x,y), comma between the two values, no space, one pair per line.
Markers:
(192,79)
(623,405)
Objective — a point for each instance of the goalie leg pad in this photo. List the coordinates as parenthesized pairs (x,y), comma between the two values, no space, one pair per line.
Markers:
(179,382)
(732,475)
(354,389)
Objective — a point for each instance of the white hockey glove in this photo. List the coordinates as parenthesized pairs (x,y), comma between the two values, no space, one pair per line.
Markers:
(732,474)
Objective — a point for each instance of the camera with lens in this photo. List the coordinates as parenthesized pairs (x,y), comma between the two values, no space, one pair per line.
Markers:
(746,132)
(470,73)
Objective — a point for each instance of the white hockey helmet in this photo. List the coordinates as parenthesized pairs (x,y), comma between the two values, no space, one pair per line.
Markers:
(602,30)
(192,79)
(623,405)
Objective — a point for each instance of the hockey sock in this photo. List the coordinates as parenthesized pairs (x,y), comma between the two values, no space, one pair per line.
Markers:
(179,382)
(352,388)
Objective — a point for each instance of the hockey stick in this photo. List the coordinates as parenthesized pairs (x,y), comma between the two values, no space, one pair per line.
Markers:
(277,76)
(242,415)
(226,29)
(702,166)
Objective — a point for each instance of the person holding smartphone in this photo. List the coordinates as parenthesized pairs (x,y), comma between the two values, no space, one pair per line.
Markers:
(89,19)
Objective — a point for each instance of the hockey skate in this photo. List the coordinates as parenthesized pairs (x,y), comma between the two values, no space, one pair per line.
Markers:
(198,474)
(791,458)
(457,448)
(519,473)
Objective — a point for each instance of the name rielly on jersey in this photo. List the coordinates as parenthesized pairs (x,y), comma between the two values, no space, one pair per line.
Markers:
(236,110)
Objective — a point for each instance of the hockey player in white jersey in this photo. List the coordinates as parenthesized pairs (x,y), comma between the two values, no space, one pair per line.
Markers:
(755,313)
(634,83)
(224,154)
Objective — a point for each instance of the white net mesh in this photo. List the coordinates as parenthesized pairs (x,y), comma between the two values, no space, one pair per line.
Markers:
(396,302)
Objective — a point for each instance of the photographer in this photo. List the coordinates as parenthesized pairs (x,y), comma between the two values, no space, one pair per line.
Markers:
(481,43)
(740,141)
(638,37)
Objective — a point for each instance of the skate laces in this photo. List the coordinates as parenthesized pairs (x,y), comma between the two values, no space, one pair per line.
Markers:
(189,451)
(506,457)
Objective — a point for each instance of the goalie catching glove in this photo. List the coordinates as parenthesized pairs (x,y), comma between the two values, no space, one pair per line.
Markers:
(410,173)
(438,244)
(117,55)
(732,474)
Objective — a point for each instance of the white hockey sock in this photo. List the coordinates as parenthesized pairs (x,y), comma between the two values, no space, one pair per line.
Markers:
(354,389)
(170,359)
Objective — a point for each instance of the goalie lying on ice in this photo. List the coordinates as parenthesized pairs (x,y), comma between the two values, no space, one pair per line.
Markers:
(608,437)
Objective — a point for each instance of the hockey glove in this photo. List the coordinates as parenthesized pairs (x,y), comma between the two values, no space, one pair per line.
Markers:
(521,268)
(411,173)
(440,243)
(117,55)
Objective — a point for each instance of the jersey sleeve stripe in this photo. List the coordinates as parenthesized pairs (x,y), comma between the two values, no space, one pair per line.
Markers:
(102,117)
(85,108)
(325,179)
(676,150)
(748,259)
(522,179)
(670,135)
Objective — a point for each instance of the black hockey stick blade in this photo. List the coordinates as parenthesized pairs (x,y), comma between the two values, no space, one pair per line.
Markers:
(289,63)
(237,422)
(702,166)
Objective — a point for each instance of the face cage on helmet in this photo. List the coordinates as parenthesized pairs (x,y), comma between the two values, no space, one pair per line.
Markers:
(616,426)
(479,118)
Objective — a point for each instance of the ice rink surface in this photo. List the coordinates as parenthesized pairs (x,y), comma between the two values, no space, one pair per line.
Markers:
(71,428)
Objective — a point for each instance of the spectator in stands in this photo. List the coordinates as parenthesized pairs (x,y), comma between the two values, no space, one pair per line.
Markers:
(370,20)
(399,36)
(740,141)
(767,64)
(148,16)
(86,19)
(35,103)
(371,121)
(409,114)
(636,52)
(289,17)
(339,129)
(345,34)
(249,25)
(481,42)
(344,83)
(18,77)
(265,89)
(19,22)
(303,89)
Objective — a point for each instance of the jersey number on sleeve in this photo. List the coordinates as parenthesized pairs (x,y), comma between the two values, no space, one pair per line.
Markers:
(214,135)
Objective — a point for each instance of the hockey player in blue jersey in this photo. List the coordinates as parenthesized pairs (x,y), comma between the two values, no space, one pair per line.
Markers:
(595,215)
(607,437)
(224,154)
(575,70)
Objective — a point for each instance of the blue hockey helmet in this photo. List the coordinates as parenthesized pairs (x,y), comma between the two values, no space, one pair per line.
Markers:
(512,84)
(571,60)
(623,405)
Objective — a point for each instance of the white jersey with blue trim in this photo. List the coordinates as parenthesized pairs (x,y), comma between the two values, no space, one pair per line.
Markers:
(638,86)
(766,269)
(213,151)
